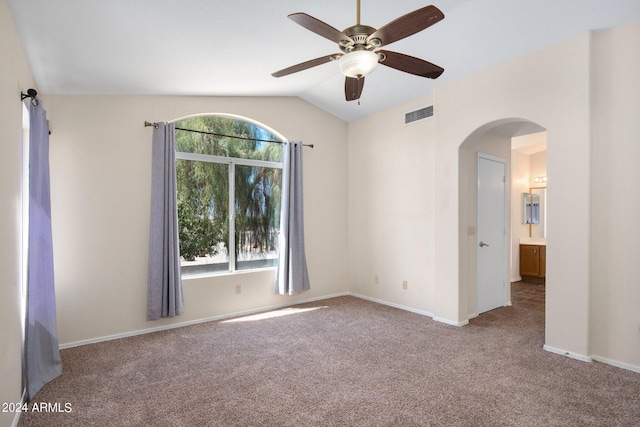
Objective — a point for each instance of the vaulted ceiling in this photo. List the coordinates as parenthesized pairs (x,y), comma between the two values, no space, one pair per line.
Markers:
(230,48)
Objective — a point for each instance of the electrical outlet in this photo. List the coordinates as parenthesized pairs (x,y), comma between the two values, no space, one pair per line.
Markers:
(376,280)
(238,289)
(404,284)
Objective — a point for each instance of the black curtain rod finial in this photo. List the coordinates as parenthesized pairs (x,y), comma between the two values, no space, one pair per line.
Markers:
(31,93)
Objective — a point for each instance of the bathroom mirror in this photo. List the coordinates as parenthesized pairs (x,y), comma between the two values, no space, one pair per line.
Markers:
(534,210)
(530,208)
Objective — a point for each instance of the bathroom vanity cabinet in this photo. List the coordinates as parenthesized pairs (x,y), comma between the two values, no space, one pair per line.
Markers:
(533,261)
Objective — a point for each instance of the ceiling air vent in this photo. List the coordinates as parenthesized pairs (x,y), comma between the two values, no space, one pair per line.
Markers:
(420,114)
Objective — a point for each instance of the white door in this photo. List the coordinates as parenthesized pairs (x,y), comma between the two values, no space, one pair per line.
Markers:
(491,232)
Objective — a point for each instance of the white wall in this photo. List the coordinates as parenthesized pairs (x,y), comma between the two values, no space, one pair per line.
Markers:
(615,175)
(416,167)
(391,227)
(559,102)
(100,173)
(15,77)
(586,254)
(520,167)
(538,167)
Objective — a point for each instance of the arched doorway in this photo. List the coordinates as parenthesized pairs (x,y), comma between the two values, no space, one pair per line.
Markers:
(493,139)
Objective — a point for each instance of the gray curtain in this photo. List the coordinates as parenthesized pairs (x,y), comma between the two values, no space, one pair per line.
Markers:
(165,283)
(41,351)
(292,277)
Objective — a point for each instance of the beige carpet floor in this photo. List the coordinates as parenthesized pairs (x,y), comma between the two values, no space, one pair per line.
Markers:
(339,362)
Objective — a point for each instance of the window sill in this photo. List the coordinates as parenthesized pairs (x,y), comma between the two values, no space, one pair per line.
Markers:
(187,277)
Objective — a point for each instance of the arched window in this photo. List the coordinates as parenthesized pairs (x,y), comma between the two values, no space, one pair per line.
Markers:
(229,182)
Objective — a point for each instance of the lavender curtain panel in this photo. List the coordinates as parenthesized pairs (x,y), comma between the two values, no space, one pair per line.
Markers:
(292,277)
(165,283)
(41,351)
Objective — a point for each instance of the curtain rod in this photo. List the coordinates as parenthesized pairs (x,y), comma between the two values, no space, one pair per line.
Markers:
(155,125)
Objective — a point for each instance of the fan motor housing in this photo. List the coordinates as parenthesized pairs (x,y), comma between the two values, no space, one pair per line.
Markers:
(359,34)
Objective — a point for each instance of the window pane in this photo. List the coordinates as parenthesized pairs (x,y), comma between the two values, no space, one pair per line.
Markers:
(208,240)
(257,222)
(203,216)
(222,145)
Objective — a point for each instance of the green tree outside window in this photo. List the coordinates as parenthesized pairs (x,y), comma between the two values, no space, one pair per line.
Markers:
(204,192)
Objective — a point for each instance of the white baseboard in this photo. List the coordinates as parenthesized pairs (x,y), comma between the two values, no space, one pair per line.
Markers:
(616,363)
(583,358)
(275,307)
(567,353)
(194,322)
(16,419)
(248,312)
(16,416)
(592,358)
(391,304)
(411,309)
(516,279)
(451,322)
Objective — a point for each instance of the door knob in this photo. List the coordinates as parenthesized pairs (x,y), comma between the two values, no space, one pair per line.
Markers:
(483,244)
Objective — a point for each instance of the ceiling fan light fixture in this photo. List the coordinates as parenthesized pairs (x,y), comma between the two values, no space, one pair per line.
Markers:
(358,63)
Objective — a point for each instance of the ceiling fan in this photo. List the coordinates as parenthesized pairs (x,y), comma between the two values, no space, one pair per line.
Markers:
(359,45)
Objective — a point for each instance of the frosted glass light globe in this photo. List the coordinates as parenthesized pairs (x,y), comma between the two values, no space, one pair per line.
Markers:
(358,63)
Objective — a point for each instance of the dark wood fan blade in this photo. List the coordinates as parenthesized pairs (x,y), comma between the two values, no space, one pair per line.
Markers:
(410,64)
(408,24)
(319,27)
(305,65)
(353,88)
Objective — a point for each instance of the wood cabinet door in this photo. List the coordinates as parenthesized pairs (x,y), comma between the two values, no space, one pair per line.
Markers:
(543,261)
(529,260)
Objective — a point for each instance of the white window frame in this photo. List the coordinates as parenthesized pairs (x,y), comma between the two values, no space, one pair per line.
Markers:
(231,162)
